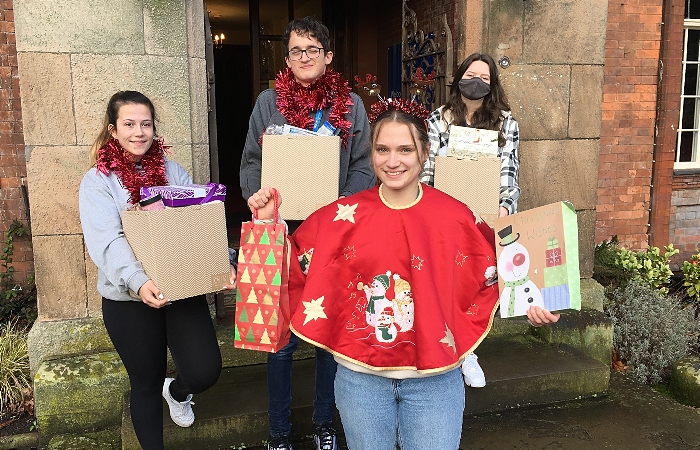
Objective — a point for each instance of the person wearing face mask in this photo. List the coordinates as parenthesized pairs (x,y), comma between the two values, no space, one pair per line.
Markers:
(477,100)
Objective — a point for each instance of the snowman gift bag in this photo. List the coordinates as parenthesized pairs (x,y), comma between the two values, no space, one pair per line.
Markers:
(537,258)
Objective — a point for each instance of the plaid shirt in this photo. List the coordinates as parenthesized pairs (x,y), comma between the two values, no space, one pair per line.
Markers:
(439,135)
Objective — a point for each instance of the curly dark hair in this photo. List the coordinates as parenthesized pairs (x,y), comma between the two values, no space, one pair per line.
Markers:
(308,27)
(488,116)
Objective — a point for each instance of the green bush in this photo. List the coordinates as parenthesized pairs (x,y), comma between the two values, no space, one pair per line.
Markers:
(691,276)
(652,330)
(16,301)
(15,382)
(616,266)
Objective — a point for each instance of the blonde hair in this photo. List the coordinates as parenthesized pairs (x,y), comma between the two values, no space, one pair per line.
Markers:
(118,100)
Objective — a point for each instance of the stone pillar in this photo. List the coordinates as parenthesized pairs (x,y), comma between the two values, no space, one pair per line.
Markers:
(555,87)
(72,56)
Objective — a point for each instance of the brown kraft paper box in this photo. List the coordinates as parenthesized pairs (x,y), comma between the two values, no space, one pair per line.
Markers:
(305,170)
(477,183)
(183,250)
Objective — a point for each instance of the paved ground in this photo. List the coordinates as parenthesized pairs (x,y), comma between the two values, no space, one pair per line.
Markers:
(632,416)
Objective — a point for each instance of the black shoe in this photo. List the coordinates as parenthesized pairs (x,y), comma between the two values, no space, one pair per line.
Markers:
(279,443)
(324,437)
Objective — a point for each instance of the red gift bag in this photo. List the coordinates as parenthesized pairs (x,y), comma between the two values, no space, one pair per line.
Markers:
(262,286)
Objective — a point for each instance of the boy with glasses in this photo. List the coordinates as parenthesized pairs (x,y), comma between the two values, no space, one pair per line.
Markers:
(308,95)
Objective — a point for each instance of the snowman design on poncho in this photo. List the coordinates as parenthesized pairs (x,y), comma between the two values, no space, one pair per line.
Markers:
(519,292)
(385,331)
(376,297)
(403,303)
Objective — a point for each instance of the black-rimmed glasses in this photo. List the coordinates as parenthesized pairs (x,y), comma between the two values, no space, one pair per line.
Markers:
(312,52)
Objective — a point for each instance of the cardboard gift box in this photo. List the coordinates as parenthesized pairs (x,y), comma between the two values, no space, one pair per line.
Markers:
(537,257)
(183,250)
(475,182)
(305,170)
(190,194)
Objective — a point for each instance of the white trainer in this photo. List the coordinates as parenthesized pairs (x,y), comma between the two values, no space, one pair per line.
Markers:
(180,412)
(471,370)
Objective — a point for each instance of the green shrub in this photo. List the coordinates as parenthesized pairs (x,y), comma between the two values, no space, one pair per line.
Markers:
(691,276)
(652,330)
(16,301)
(15,383)
(615,265)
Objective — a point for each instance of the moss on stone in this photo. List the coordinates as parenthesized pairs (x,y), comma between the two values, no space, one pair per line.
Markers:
(98,440)
(81,393)
(685,381)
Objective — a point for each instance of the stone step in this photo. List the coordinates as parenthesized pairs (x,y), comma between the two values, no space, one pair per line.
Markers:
(520,372)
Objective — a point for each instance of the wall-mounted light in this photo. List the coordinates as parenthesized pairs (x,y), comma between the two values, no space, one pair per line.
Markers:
(219,40)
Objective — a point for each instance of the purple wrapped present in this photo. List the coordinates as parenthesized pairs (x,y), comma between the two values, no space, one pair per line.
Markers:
(190,194)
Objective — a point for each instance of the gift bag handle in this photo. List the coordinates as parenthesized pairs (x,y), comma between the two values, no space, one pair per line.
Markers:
(212,190)
(276,213)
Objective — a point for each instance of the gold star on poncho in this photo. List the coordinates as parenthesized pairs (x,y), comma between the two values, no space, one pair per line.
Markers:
(314,310)
(460,259)
(449,339)
(346,212)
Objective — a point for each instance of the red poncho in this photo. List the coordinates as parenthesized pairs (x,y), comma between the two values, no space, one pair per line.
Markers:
(394,289)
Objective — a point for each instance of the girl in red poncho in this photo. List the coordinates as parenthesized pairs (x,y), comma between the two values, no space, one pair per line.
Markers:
(397,282)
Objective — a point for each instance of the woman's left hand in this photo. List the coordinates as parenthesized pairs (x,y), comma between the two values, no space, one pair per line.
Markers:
(538,316)
(232,285)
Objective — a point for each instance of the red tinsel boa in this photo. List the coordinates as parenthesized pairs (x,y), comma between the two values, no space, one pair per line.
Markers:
(113,158)
(299,103)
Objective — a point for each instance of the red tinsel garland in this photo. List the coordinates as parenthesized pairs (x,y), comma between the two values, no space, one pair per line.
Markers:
(298,103)
(113,158)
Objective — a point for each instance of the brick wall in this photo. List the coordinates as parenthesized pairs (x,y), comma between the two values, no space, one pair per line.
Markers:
(628,122)
(13,166)
(684,226)
(678,203)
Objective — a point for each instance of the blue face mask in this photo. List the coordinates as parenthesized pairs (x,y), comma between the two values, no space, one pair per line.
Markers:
(474,88)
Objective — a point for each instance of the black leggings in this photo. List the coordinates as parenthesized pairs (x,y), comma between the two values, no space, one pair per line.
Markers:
(141,335)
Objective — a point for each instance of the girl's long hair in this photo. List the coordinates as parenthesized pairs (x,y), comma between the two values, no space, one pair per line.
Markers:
(489,115)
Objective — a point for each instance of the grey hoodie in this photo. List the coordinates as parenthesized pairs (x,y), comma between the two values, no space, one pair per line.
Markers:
(102,199)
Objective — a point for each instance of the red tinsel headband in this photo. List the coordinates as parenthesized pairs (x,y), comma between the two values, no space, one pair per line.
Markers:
(398,104)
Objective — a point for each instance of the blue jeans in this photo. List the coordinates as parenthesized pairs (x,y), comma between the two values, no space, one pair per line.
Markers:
(416,413)
(279,388)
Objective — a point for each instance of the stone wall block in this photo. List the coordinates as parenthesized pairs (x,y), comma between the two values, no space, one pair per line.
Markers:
(194,12)
(570,32)
(182,154)
(94,299)
(585,112)
(552,171)
(60,276)
(55,339)
(201,172)
(79,394)
(586,241)
(66,26)
(198,100)
(47,109)
(54,177)
(165,80)
(164,25)
(505,29)
(539,99)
